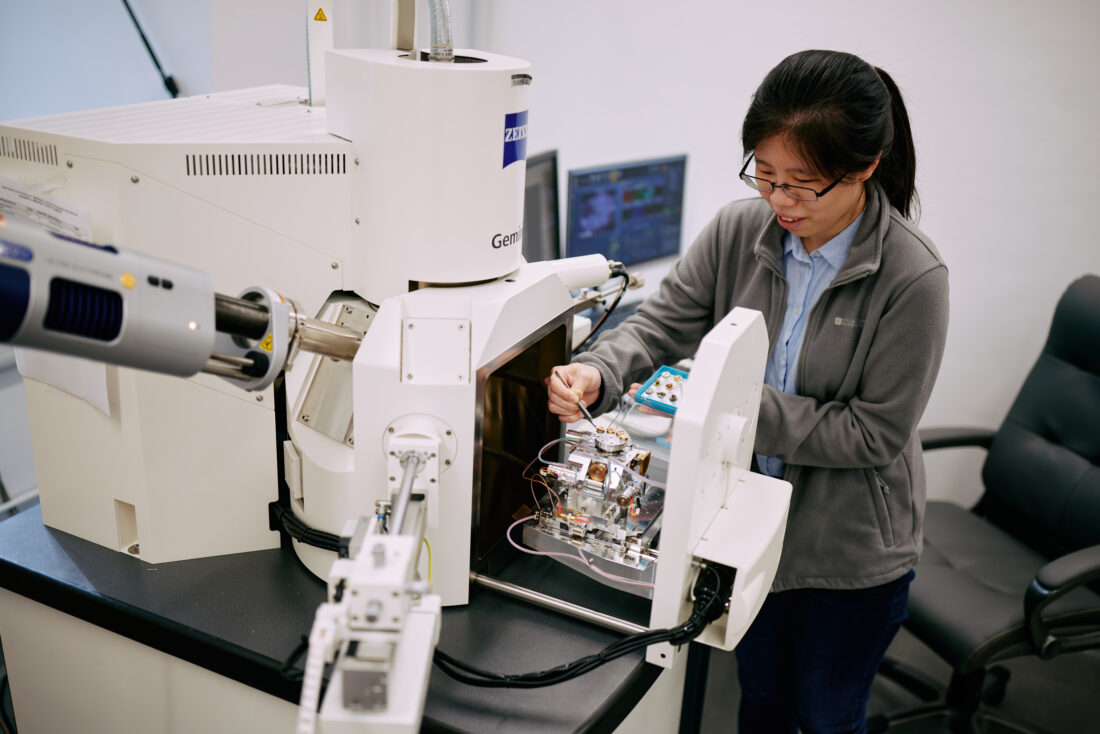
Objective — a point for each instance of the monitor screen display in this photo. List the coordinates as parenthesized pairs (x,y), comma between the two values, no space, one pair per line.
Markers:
(630,212)
(540,208)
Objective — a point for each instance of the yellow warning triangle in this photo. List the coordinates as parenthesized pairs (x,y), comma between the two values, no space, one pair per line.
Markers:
(267,344)
(320,14)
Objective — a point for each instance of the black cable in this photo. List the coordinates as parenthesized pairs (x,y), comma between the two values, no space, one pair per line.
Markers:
(618,271)
(284,518)
(706,609)
(169,82)
(473,676)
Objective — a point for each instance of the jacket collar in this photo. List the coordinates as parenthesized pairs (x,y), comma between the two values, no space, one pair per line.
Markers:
(865,254)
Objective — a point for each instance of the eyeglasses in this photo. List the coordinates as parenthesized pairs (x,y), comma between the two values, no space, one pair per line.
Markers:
(802,193)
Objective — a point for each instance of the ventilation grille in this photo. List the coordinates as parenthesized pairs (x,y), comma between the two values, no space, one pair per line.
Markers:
(84,310)
(267,164)
(28,150)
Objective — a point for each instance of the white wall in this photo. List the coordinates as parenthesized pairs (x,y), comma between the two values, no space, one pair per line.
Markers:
(1001,93)
(1004,105)
(64,55)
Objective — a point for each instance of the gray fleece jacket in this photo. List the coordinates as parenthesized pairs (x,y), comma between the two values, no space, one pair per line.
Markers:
(872,350)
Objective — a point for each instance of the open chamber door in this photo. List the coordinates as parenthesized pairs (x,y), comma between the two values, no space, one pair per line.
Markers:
(719,516)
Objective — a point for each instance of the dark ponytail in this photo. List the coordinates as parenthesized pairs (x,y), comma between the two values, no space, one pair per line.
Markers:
(841,114)
(897,173)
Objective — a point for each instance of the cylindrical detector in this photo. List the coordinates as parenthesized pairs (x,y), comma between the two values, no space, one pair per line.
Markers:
(331,340)
(72,297)
(585,271)
(441,150)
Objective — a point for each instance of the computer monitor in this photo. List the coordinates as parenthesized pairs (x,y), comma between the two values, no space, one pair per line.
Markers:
(540,208)
(630,212)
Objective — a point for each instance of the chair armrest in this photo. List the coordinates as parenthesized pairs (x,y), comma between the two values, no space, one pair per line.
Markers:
(1052,581)
(1077,568)
(954,437)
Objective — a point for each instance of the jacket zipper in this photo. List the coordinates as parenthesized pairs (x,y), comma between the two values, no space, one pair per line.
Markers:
(777,307)
(884,495)
(815,312)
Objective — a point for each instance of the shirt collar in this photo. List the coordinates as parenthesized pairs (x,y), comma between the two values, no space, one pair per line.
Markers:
(835,251)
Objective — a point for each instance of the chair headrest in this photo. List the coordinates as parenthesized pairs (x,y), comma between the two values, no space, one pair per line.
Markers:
(1042,472)
(1075,331)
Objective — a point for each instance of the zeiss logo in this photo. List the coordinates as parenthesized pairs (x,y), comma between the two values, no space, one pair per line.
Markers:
(515,137)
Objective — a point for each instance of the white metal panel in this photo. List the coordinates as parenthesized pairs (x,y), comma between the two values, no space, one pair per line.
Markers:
(68,675)
(713,434)
(435,351)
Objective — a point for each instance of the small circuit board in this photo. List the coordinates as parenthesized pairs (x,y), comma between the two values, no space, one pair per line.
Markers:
(664,390)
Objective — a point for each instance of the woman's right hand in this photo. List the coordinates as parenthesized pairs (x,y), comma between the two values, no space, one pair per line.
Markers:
(584,383)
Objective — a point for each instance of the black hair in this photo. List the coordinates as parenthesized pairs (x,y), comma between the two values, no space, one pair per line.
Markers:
(840,113)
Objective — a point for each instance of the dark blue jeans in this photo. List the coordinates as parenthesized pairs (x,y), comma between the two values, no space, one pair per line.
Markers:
(807,662)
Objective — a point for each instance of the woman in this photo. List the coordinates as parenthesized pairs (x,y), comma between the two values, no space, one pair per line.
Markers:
(855,300)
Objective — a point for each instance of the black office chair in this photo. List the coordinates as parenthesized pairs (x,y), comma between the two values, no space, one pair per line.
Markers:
(1011,576)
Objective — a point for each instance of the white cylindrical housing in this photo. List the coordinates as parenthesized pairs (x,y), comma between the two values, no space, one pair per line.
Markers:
(585,271)
(441,150)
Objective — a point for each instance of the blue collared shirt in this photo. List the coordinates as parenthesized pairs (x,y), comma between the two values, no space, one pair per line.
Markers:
(807,275)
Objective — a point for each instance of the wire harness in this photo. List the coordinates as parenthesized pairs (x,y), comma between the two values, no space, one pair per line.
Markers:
(618,270)
(708,606)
